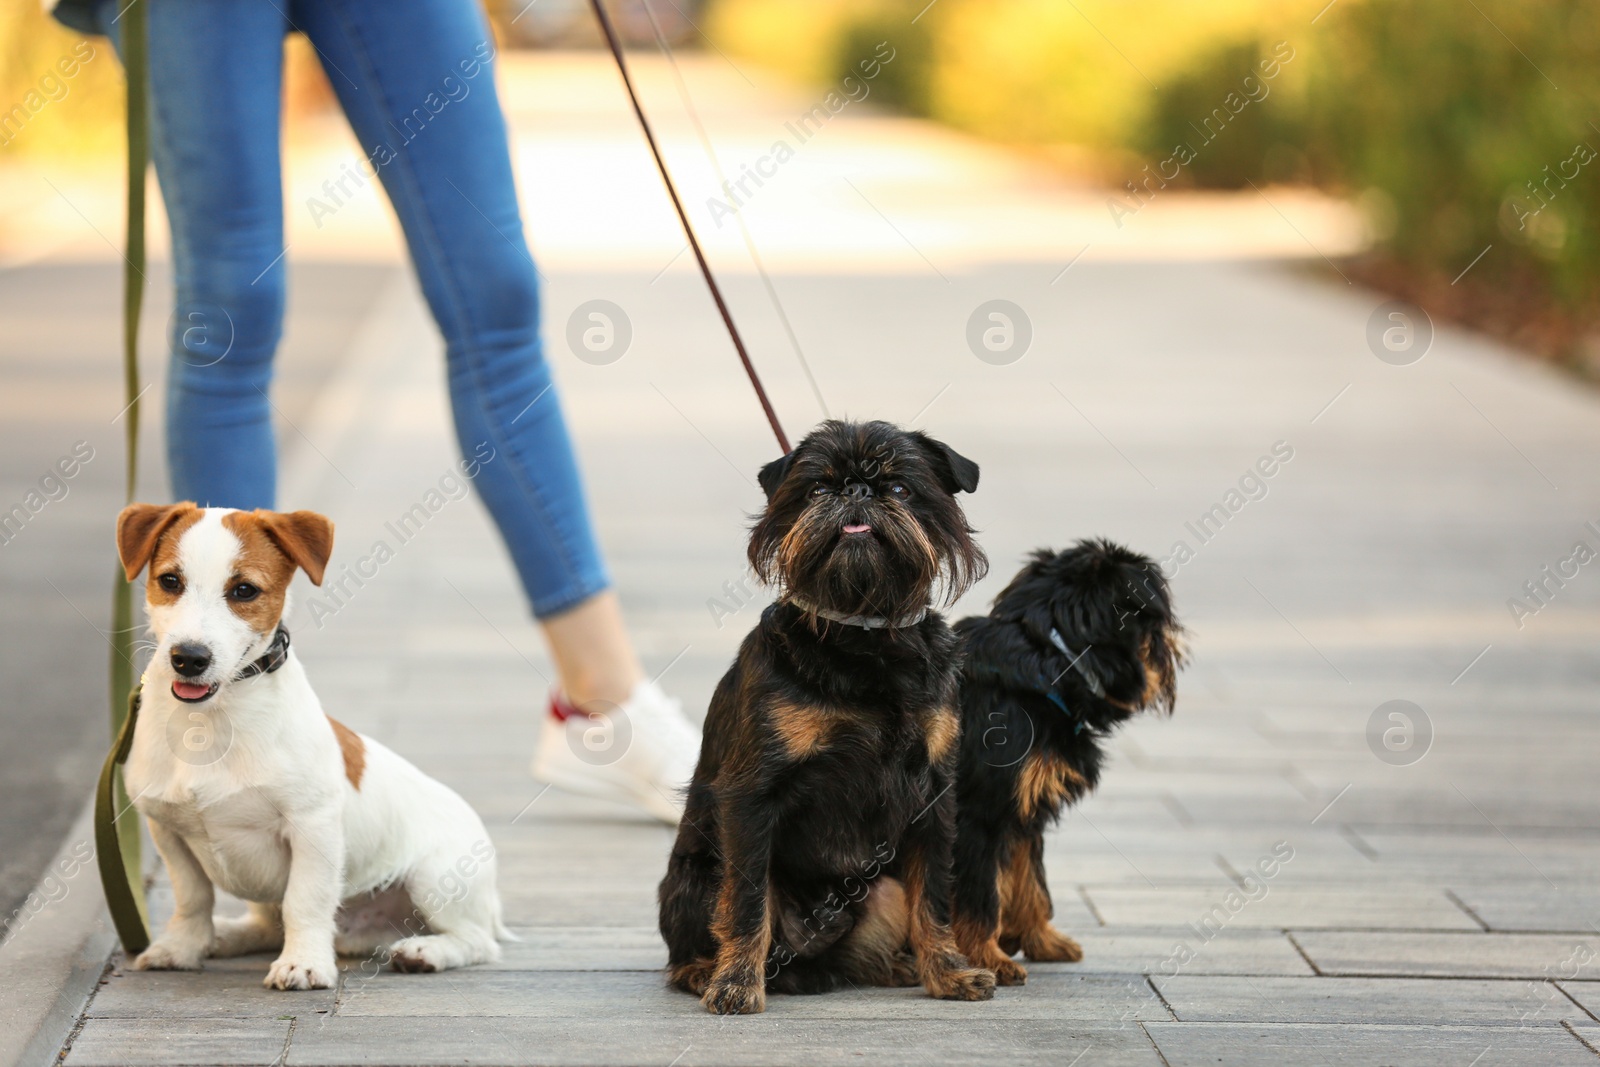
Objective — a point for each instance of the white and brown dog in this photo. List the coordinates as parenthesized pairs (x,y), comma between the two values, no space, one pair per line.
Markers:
(336,842)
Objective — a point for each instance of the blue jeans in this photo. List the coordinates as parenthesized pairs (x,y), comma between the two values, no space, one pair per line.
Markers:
(416,81)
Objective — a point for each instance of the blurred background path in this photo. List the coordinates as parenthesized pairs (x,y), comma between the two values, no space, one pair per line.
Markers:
(1443,863)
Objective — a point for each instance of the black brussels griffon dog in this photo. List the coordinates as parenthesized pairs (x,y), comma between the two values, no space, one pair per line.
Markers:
(1074,646)
(816,842)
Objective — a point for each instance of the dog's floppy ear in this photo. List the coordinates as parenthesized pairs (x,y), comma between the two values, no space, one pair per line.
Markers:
(771,475)
(139,530)
(956,472)
(304,536)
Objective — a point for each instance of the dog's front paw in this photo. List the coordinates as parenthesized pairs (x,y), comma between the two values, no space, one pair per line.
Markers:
(1008,971)
(287,973)
(973,983)
(724,997)
(989,956)
(1051,945)
(166,955)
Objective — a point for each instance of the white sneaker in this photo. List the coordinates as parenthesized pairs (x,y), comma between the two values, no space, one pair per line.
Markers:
(642,753)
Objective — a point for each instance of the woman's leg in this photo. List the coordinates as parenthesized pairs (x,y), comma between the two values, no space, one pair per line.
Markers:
(592,652)
(417,82)
(215,78)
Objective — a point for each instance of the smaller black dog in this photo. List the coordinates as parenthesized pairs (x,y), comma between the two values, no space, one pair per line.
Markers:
(1077,643)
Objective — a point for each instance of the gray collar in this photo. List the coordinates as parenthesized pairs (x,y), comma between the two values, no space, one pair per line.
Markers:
(866,622)
(1089,676)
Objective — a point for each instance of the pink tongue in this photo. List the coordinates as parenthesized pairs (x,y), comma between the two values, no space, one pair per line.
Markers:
(857,528)
(189,690)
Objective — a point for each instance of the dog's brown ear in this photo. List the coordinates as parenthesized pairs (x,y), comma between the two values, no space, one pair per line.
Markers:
(139,530)
(304,536)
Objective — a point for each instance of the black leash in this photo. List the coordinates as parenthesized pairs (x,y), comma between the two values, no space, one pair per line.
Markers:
(610,33)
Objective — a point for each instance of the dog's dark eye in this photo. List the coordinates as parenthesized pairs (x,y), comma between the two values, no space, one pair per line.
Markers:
(244,591)
(899,491)
(821,490)
(170,582)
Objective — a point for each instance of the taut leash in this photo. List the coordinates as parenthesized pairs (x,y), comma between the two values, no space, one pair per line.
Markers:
(615,43)
(116,831)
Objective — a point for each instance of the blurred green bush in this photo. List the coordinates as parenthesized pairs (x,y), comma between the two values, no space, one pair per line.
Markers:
(1457,126)
(1451,120)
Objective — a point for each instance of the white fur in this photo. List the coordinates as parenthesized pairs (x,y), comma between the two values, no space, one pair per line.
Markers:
(275,821)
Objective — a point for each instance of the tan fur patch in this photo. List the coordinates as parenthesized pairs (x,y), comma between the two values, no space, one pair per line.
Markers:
(692,977)
(162,551)
(1046,781)
(944,971)
(1023,905)
(263,564)
(1160,681)
(883,930)
(874,951)
(982,949)
(1025,911)
(941,727)
(804,731)
(722,916)
(738,981)
(353,751)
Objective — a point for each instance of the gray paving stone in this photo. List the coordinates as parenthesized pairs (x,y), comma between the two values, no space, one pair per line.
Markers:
(1548,859)
(1180,951)
(1392,907)
(231,991)
(1586,993)
(584,948)
(1533,907)
(1586,1031)
(1396,953)
(180,1042)
(1085,998)
(770,1040)
(1350,1000)
(1270,1045)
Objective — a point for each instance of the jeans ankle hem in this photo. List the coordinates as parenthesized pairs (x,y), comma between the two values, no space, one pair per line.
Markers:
(547,606)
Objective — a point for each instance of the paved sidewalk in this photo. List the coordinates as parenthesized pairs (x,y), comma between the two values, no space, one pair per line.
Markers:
(1435,902)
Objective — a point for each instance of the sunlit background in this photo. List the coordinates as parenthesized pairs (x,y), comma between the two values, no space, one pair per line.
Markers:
(1427,124)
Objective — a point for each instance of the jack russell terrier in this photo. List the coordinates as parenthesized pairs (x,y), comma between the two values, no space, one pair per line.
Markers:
(248,785)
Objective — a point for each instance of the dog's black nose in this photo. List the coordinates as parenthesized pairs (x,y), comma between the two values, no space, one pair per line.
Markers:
(190,660)
(857,491)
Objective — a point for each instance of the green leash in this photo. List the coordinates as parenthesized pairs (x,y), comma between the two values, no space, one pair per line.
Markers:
(116,824)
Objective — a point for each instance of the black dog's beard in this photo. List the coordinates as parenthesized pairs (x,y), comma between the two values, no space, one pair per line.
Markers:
(890,572)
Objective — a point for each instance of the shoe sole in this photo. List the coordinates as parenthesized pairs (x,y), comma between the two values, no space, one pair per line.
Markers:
(652,803)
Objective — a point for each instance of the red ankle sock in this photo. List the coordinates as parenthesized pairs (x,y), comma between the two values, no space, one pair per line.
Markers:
(560,710)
